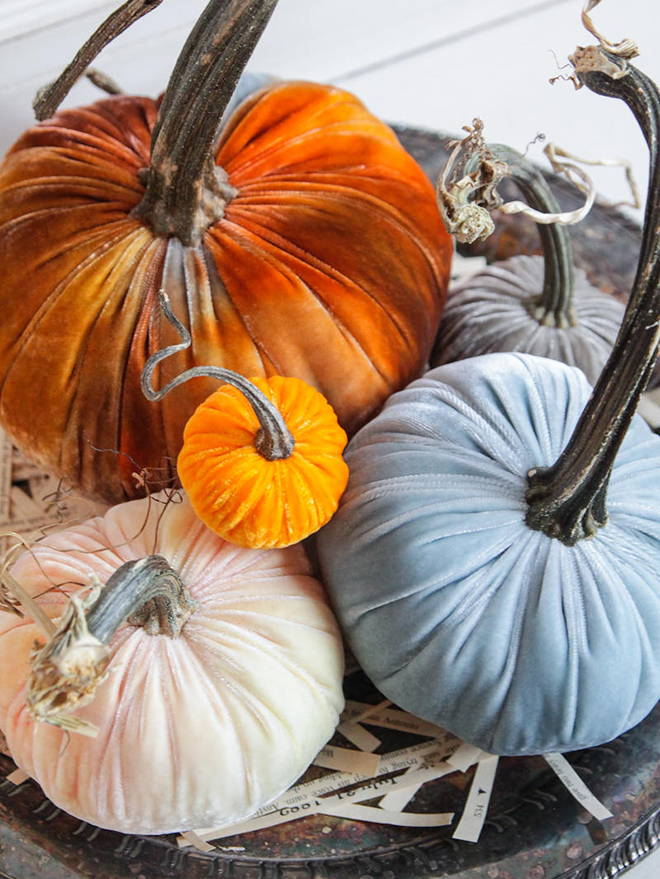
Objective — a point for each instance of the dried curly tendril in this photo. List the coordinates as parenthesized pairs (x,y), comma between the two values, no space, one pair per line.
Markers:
(467,187)
(465,199)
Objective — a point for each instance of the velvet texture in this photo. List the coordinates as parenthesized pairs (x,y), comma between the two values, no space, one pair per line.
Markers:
(193,731)
(330,264)
(457,610)
(490,312)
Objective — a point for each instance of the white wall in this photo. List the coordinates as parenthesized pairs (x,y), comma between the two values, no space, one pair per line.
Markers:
(430,63)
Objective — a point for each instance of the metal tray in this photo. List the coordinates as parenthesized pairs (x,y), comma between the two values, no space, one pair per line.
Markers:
(534,828)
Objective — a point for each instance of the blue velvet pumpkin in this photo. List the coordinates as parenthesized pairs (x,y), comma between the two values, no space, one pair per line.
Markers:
(459,611)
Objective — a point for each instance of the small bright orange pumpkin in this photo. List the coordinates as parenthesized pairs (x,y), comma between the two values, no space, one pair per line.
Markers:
(240,494)
(262,458)
(315,249)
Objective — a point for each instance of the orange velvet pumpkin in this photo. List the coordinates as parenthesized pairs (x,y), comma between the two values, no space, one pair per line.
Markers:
(330,264)
(240,494)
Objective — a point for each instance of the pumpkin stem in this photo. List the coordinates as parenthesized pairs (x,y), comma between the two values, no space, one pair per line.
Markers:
(145,592)
(567,500)
(554,306)
(49,98)
(274,440)
(185,191)
(66,671)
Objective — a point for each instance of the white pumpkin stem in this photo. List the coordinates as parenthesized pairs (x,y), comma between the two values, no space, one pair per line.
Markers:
(51,96)
(567,500)
(274,440)
(66,671)
(186,192)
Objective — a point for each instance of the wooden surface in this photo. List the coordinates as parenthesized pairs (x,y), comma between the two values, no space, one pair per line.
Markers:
(425,63)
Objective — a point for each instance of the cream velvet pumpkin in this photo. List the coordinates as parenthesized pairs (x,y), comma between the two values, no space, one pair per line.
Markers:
(195,730)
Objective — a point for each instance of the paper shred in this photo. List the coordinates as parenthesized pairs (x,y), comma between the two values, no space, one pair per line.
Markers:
(397,800)
(17,776)
(357,735)
(396,818)
(28,509)
(474,814)
(346,760)
(316,805)
(395,718)
(310,797)
(190,838)
(576,787)
(465,756)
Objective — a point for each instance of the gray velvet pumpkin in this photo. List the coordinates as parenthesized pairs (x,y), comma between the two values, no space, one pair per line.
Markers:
(490,312)
(455,608)
(539,304)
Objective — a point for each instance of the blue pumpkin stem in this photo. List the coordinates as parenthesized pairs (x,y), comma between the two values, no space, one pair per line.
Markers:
(568,499)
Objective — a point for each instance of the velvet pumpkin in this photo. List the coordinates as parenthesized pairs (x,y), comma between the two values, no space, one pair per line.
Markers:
(261,459)
(541,305)
(495,559)
(197,724)
(455,608)
(303,240)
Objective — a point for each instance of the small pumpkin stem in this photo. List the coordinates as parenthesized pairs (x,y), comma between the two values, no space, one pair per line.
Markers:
(185,190)
(145,592)
(49,98)
(274,440)
(554,307)
(66,671)
(567,500)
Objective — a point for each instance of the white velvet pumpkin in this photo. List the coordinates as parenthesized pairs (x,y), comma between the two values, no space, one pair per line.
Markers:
(457,609)
(196,730)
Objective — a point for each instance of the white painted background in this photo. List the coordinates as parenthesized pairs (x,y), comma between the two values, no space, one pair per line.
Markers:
(429,63)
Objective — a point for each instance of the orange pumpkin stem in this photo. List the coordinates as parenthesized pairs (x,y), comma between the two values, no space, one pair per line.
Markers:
(185,191)
(274,441)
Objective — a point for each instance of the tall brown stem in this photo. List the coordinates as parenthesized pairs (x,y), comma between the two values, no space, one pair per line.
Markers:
(51,96)
(185,191)
(567,500)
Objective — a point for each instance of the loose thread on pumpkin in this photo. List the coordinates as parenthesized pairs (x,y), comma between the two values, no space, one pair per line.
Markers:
(8,601)
(21,543)
(143,475)
(13,597)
